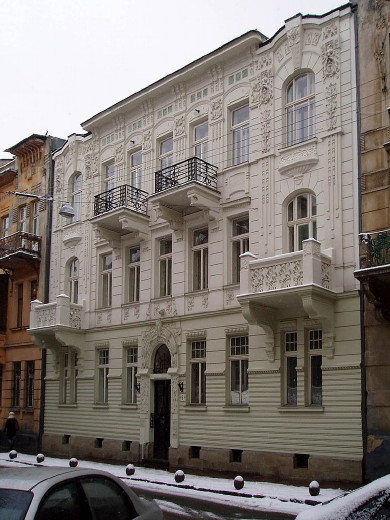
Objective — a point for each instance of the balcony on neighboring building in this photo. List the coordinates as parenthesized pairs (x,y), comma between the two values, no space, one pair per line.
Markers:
(122,210)
(287,286)
(374,272)
(18,248)
(184,188)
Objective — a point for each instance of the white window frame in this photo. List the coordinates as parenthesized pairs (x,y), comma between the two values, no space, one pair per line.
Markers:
(105,281)
(166,156)
(73,280)
(5,221)
(23,219)
(198,371)
(301,225)
(75,195)
(68,379)
(239,244)
(103,359)
(290,349)
(239,363)
(35,218)
(240,134)
(131,365)
(165,266)
(201,140)
(136,169)
(200,254)
(300,109)
(109,176)
(134,273)
(314,354)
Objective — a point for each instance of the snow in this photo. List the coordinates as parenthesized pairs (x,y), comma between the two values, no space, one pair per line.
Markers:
(254,495)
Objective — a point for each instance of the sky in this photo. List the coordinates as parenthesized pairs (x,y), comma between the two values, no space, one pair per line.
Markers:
(64,61)
(277,497)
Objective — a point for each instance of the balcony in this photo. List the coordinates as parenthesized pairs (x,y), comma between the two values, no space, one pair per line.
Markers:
(57,324)
(122,210)
(18,248)
(184,188)
(374,272)
(288,286)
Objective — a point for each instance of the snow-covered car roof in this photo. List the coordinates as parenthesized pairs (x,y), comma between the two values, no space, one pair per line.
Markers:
(340,507)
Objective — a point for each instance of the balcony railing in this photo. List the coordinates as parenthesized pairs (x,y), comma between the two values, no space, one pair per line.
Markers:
(121,197)
(184,172)
(375,249)
(20,242)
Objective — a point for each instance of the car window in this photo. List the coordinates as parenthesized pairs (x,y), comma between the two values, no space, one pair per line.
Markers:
(368,509)
(384,512)
(107,500)
(14,504)
(63,503)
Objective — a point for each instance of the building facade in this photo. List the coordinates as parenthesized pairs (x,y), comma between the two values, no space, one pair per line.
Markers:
(24,246)
(203,308)
(374,272)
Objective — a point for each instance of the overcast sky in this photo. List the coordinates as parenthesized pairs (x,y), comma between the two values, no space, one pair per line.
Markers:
(63,61)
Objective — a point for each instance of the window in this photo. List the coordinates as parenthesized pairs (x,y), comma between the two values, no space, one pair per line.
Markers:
(29,388)
(33,290)
(17,372)
(68,380)
(166,152)
(35,218)
(63,501)
(290,350)
(240,128)
(131,372)
(103,376)
(240,244)
(134,274)
(201,143)
(19,305)
(198,372)
(200,259)
(22,224)
(73,280)
(300,109)
(165,266)
(301,220)
(239,369)
(109,179)
(76,196)
(4,226)
(106,280)
(136,169)
(315,366)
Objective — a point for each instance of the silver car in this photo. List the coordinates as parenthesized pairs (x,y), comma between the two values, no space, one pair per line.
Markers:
(53,493)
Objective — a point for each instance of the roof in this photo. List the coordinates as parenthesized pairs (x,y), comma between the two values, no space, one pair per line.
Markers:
(27,144)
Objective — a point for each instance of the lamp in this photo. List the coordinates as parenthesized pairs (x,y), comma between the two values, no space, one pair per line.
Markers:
(181,386)
(67,210)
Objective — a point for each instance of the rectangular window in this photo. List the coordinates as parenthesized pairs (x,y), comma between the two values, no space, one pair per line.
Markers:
(201,143)
(29,386)
(198,372)
(109,179)
(35,218)
(19,307)
(131,373)
(22,224)
(239,369)
(134,267)
(103,360)
(165,266)
(200,252)
(166,152)
(106,280)
(240,128)
(16,384)
(4,226)
(240,244)
(33,290)
(290,349)
(69,374)
(315,356)
(136,169)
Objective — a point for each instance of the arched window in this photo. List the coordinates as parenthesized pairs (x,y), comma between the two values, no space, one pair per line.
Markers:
(301,220)
(73,280)
(76,196)
(162,361)
(300,109)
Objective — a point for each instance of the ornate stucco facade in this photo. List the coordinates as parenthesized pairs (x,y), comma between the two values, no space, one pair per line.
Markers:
(203,306)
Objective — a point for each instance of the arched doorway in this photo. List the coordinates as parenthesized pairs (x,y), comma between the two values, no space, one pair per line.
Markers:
(162,404)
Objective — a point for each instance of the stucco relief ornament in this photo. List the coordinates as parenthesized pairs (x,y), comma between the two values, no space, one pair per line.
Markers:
(179,126)
(147,141)
(294,41)
(119,153)
(330,31)
(216,109)
(331,105)
(330,59)
(266,131)
(312,38)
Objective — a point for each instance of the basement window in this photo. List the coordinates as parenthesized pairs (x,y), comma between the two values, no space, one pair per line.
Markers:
(301,460)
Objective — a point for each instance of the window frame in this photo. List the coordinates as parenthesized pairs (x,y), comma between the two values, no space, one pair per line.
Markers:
(29,383)
(290,351)
(240,135)
(239,358)
(19,305)
(165,158)
(293,105)
(103,367)
(165,267)
(105,282)
(200,260)
(296,223)
(5,224)
(109,176)
(133,274)
(201,145)
(68,377)
(198,385)
(135,169)
(314,351)
(76,187)
(73,269)
(16,383)
(239,245)
(131,368)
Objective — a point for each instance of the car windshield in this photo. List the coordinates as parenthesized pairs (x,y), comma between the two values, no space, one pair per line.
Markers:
(14,504)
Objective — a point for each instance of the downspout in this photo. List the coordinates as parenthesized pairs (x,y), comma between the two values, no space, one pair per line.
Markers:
(355,8)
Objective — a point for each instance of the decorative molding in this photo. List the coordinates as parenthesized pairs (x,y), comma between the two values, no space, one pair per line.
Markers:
(330,59)
(193,334)
(233,331)
(298,159)
(343,367)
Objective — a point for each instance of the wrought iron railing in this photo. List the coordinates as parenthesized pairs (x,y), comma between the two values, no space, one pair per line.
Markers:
(121,197)
(20,242)
(375,248)
(184,172)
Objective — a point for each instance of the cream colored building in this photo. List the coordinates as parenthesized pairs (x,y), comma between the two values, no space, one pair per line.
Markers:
(204,310)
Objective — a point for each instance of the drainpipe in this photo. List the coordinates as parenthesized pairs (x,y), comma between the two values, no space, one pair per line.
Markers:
(355,9)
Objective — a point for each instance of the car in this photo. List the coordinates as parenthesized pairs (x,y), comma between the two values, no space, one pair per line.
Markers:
(55,493)
(370,502)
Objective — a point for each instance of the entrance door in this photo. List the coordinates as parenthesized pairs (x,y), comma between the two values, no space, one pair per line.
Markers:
(162,418)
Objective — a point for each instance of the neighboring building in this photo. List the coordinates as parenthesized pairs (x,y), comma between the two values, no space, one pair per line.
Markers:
(374,272)
(24,208)
(203,307)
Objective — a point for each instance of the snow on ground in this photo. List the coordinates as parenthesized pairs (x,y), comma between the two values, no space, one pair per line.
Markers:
(254,495)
